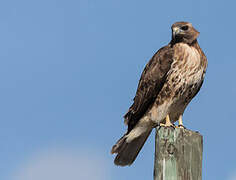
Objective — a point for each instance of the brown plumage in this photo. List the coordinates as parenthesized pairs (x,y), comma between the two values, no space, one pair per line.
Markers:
(168,83)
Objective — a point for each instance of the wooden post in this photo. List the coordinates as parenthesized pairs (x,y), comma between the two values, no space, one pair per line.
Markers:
(178,154)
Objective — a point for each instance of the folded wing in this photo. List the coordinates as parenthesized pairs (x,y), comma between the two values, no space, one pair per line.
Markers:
(150,84)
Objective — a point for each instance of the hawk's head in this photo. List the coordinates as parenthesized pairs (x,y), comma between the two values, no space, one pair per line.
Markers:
(184,32)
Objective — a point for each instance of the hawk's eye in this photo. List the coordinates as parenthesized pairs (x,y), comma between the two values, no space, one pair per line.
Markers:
(185,28)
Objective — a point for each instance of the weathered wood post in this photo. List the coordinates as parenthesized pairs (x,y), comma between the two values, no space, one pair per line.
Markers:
(178,154)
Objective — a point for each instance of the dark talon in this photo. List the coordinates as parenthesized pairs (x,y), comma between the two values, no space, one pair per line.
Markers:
(157,125)
(181,126)
(173,126)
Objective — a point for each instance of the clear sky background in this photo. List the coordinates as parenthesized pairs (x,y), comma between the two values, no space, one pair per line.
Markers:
(68,73)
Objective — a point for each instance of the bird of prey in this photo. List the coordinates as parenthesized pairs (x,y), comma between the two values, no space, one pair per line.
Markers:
(170,80)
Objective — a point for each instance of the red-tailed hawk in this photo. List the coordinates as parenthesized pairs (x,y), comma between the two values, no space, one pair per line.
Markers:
(168,83)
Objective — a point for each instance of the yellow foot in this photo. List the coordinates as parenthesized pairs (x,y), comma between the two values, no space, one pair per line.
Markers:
(162,124)
(181,127)
(168,123)
(181,122)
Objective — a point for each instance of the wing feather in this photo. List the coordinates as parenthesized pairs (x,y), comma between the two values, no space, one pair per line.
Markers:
(151,82)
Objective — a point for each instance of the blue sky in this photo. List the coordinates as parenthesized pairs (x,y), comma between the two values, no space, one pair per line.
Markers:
(69,71)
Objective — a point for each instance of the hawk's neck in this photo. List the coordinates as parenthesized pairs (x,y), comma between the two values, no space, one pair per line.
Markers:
(176,41)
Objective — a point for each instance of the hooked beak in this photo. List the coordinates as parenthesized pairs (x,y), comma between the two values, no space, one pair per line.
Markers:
(176,31)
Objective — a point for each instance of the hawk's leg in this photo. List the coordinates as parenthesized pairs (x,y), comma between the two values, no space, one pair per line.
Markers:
(168,123)
(181,122)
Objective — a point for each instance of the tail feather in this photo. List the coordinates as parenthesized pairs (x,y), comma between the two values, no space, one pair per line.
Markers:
(119,144)
(127,151)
